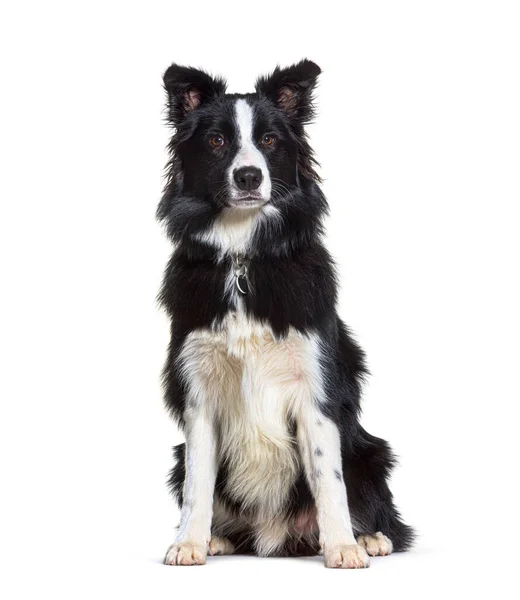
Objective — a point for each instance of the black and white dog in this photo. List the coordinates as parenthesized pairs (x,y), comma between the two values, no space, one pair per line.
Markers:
(262,375)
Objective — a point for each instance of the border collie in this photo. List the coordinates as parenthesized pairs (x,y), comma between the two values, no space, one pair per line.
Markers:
(262,375)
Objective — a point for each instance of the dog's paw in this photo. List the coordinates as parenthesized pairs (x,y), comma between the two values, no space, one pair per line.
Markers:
(184,553)
(346,557)
(219,545)
(376,544)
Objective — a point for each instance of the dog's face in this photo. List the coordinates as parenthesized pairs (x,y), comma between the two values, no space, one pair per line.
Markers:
(241,151)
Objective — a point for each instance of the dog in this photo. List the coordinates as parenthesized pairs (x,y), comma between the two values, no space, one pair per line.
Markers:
(261,374)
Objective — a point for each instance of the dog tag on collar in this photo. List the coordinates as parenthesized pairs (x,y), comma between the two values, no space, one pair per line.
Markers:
(241,277)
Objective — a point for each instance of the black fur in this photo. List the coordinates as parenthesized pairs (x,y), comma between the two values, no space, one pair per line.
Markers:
(289,264)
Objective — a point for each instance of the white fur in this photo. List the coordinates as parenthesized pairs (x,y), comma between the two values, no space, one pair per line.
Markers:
(319,441)
(194,532)
(248,154)
(232,230)
(376,545)
(346,556)
(220,545)
(251,385)
(185,553)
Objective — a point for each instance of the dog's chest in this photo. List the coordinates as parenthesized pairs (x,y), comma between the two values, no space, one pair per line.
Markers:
(253,385)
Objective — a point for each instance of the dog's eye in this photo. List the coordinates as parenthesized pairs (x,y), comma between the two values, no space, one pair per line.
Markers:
(216,141)
(268,140)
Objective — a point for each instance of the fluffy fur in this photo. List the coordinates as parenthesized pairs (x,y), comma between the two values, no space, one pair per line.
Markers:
(261,374)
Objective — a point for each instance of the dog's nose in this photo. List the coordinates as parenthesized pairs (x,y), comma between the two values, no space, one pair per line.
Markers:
(248,178)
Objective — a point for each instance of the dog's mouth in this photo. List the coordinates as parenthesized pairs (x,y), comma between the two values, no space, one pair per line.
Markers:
(247,201)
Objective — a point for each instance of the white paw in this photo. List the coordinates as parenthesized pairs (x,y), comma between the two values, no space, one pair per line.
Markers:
(346,557)
(376,544)
(218,545)
(184,553)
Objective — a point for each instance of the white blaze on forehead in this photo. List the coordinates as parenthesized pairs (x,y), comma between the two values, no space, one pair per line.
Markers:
(248,154)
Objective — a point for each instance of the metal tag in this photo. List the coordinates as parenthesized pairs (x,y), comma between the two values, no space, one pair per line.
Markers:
(241,277)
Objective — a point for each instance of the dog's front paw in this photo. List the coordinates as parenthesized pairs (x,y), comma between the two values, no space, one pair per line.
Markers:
(184,553)
(349,556)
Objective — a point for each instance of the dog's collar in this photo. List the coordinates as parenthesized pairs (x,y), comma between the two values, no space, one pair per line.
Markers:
(240,271)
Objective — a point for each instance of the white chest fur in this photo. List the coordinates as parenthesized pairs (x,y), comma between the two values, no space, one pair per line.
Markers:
(253,386)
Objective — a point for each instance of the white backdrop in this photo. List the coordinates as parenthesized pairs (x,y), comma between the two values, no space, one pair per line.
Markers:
(418,136)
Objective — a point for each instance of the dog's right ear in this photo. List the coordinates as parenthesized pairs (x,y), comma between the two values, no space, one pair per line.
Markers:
(187,89)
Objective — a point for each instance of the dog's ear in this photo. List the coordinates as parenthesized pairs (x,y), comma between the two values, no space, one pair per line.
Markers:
(187,89)
(291,89)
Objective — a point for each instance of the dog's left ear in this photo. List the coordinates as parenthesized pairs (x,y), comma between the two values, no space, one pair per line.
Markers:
(187,89)
(291,89)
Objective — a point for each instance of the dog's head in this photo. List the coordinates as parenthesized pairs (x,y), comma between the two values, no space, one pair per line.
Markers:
(239,151)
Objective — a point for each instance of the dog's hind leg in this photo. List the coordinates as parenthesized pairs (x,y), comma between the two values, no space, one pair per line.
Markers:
(376,544)
(230,532)
(220,545)
(376,521)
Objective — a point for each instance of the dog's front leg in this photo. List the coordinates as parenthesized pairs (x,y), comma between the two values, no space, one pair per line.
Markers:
(190,546)
(320,447)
